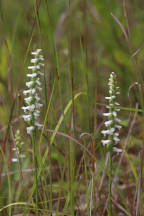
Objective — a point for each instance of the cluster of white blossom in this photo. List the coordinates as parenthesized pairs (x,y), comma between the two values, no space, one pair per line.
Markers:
(32,108)
(18,147)
(112,124)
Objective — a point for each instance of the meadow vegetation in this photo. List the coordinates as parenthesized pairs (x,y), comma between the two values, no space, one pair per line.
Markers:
(63,169)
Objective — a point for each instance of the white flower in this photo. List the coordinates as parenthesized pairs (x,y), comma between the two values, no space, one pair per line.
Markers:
(116,139)
(38,81)
(26,118)
(117,150)
(118,127)
(117,104)
(29,91)
(111,97)
(14,160)
(38,105)
(32,75)
(112,124)
(29,84)
(34,60)
(40,89)
(110,131)
(32,111)
(37,98)
(38,125)
(30,108)
(34,67)
(105,142)
(30,129)
(41,64)
(117,120)
(108,123)
(28,100)
(36,52)
(106,114)
(114,113)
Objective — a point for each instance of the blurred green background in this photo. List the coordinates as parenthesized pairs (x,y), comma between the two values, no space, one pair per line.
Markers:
(82,42)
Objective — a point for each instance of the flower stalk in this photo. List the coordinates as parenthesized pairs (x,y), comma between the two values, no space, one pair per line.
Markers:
(18,147)
(32,108)
(111,133)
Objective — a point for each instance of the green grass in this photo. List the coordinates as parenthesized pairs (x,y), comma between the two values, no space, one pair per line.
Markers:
(82,42)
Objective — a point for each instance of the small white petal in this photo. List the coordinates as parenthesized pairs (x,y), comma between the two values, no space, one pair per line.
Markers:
(104,132)
(117,104)
(114,114)
(38,81)
(34,60)
(34,67)
(107,98)
(118,127)
(107,123)
(106,114)
(26,92)
(37,98)
(41,58)
(106,142)
(38,105)
(117,150)
(26,118)
(25,108)
(117,120)
(33,91)
(116,134)
(117,110)
(110,131)
(36,52)
(40,89)
(28,99)
(41,64)
(38,125)
(29,91)
(116,139)
(29,84)
(30,129)
(32,75)
(14,160)
(31,107)
(118,93)
(36,114)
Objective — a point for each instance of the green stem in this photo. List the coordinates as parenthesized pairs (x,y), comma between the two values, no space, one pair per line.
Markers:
(50,174)
(35,170)
(110,184)
(71,179)
(9,181)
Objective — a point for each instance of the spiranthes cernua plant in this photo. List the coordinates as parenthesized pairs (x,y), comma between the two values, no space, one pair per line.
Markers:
(18,147)
(111,134)
(32,108)
(112,124)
